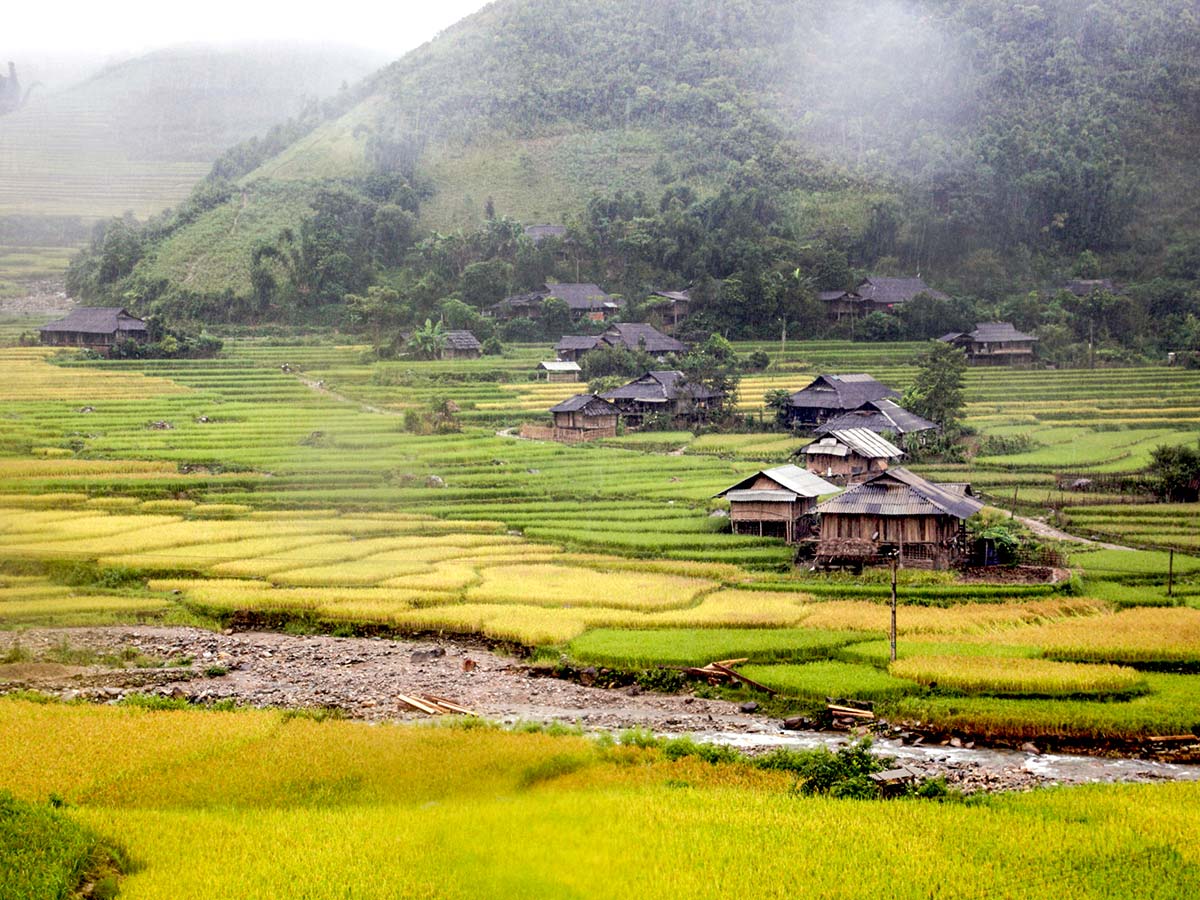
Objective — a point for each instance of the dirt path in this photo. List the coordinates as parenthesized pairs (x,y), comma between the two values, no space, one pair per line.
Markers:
(362,676)
(1042,529)
(319,387)
(365,676)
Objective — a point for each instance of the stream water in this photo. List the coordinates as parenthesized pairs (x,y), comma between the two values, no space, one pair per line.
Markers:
(1062,768)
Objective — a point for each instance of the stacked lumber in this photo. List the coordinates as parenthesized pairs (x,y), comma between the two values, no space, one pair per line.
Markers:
(722,670)
(433,705)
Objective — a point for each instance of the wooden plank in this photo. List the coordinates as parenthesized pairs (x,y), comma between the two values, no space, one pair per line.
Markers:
(449,705)
(850,711)
(419,705)
(727,663)
(742,678)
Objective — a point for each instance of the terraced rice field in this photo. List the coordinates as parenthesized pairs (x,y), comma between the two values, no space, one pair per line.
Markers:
(204,490)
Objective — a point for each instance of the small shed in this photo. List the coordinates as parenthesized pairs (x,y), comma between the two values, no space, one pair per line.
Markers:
(572,347)
(899,512)
(97,328)
(584,417)
(539,233)
(850,455)
(559,370)
(885,417)
(827,396)
(842,305)
(776,502)
(461,345)
(993,344)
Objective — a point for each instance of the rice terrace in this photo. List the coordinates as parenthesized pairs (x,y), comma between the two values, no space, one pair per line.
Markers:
(605,454)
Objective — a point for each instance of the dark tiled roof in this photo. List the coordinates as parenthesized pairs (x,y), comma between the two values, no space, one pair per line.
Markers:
(538,233)
(845,392)
(632,335)
(462,340)
(582,297)
(97,320)
(899,492)
(659,387)
(998,333)
(520,301)
(881,289)
(577,342)
(589,403)
(879,416)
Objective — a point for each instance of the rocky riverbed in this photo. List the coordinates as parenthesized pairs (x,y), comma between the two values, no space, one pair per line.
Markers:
(365,678)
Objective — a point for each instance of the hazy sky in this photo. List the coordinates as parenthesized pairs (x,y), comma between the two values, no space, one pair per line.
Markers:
(120,27)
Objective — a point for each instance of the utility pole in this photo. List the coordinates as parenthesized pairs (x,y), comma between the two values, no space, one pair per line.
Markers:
(783,339)
(1170,570)
(895,565)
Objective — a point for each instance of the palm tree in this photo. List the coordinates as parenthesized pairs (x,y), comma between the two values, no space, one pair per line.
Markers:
(428,341)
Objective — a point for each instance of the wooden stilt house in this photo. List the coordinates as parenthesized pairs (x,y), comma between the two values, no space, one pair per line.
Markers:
(897,512)
(776,502)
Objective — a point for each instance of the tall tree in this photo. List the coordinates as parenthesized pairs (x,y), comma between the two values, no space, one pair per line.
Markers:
(937,391)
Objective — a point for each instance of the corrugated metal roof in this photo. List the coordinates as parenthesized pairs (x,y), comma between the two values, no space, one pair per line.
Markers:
(868,444)
(792,478)
(899,492)
(763,496)
(559,365)
(826,446)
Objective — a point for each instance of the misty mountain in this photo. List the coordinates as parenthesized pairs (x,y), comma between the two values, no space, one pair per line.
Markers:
(137,135)
(984,144)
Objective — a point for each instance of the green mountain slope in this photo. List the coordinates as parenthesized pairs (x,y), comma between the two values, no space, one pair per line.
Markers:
(983,144)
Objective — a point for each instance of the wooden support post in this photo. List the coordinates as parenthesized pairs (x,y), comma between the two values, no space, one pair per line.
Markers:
(895,565)
(1170,570)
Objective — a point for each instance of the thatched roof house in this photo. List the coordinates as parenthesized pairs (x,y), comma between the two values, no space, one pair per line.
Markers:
(775,502)
(850,455)
(899,512)
(884,417)
(993,343)
(584,417)
(827,396)
(461,345)
(97,328)
(665,392)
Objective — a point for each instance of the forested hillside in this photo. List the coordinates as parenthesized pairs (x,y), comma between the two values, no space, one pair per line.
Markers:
(758,150)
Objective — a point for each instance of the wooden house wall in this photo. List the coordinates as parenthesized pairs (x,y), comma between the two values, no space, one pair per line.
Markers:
(851,466)
(889,529)
(578,420)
